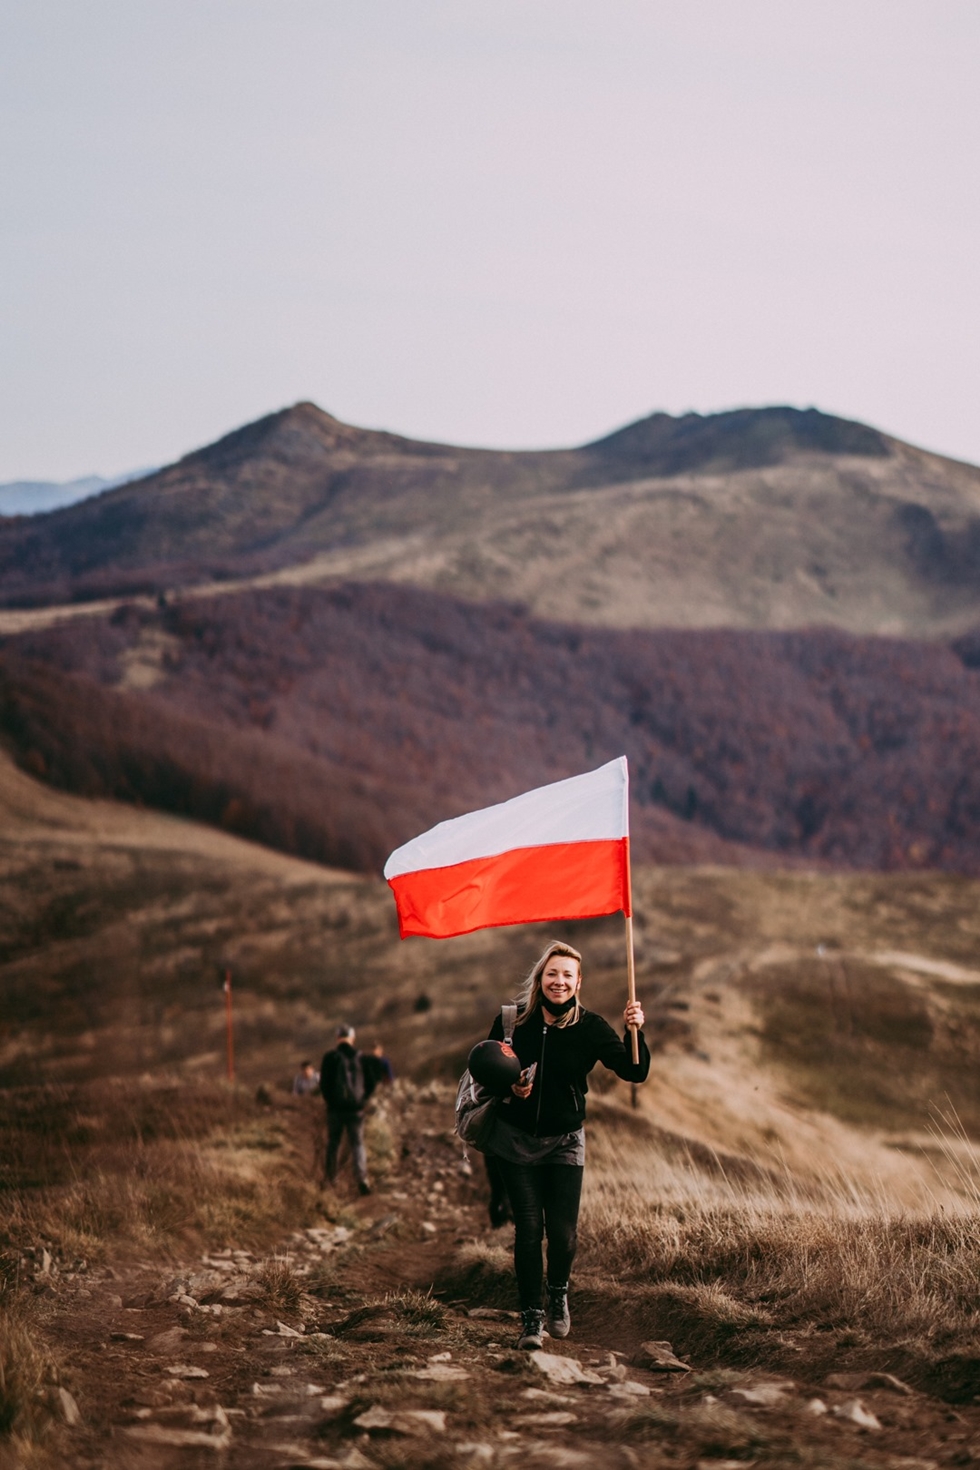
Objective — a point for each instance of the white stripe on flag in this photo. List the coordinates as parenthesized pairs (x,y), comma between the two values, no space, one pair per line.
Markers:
(589,808)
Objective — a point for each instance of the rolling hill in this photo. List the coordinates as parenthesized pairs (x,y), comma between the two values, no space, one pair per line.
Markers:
(771,517)
(335,723)
(118,924)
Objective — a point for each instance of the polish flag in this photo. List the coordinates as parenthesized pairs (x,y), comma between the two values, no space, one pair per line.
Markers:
(558,852)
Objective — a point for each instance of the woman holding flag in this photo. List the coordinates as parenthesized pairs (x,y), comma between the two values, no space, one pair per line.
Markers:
(557,852)
(538,1138)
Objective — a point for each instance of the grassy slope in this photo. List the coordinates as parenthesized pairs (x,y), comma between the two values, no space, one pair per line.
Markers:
(118,926)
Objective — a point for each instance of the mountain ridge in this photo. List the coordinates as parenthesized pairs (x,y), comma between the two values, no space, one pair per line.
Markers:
(772,517)
(41,497)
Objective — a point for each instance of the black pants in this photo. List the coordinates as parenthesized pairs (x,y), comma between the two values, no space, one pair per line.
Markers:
(545,1200)
(353,1125)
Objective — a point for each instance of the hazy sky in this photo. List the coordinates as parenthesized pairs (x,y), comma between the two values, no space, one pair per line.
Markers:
(500,222)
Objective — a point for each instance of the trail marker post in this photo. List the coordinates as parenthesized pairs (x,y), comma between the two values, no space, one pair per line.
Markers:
(229,1028)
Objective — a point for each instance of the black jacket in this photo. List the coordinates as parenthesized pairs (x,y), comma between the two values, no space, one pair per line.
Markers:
(565,1056)
(335,1063)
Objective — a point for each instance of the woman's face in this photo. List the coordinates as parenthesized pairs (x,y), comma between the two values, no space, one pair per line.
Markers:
(560,978)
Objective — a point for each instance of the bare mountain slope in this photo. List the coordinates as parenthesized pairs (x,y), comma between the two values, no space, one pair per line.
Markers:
(756,518)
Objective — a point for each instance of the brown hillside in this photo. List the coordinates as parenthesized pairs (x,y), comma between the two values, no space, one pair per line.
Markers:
(783,1205)
(118,925)
(337,723)
(756,518)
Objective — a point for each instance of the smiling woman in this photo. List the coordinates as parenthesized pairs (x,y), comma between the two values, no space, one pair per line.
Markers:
(538,1141)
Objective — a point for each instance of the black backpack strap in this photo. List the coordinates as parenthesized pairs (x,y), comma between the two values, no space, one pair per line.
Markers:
(508,1019)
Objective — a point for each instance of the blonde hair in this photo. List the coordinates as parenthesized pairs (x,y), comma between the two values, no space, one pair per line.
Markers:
(529,995)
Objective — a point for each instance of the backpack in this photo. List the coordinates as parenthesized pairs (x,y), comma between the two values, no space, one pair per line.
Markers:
(476,1108)
(346,1086)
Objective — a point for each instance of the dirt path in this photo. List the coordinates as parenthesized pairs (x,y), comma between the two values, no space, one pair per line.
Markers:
(360,1343)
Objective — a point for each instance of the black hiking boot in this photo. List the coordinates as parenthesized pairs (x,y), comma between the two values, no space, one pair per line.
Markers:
(532,1328)
(559,1322)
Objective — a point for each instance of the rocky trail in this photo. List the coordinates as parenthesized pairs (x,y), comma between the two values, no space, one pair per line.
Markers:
(368,1341)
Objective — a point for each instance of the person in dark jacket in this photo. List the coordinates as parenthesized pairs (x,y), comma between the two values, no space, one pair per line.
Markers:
(347,1079)
(538,1138)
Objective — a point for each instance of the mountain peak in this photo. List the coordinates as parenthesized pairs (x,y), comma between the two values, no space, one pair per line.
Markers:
(738,439)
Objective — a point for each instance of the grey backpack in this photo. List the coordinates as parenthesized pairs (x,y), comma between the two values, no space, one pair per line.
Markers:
(476,1108)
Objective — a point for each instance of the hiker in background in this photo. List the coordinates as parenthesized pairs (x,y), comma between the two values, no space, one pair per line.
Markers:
(306,1081)
(387,1070)
(538,1138)
(347,1079)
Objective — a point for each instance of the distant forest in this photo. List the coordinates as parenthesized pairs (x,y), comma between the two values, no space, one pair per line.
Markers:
(335,723)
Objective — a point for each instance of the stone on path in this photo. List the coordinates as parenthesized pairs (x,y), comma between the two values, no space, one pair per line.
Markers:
(282,1329)
(723,1464)
(854,1412)
(552,1419)
(660,1358)
(562,1370)
(186,1370)
(542,1396)
(438,1373)
(353,1460)
(889,1382)
(563,1458)
(476,1452)
(165,1342)
(293,1389)
(67,1408)
(334,1404)
(200,1428)
(402,1421)
(241,1291)
(760,1395)
(184,1438)
(850,1382)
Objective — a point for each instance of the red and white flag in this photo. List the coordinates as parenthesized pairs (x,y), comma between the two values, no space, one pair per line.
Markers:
(558,852)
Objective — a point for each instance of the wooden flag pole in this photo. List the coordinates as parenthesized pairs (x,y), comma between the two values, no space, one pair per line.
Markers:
(631,982)
(231,1034)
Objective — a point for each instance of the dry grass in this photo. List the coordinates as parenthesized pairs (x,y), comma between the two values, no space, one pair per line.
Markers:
(27,1372)
(147,1170)
(282,1288)
(104,1171)
(732,1262)
(411,1314)
(887,1276)
(762,1269)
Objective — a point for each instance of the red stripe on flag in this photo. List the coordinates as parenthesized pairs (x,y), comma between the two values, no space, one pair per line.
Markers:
(565,880)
